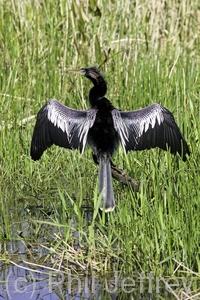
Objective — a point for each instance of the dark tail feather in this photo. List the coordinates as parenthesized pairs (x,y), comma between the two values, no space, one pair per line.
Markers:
(105,184)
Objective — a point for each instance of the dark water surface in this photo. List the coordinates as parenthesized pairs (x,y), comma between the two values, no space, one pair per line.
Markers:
(18,283)
(28,282)
(24,278)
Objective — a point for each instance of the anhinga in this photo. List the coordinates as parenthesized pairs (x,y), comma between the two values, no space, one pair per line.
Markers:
(103,127)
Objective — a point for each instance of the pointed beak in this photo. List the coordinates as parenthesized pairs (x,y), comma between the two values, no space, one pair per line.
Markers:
(77,71)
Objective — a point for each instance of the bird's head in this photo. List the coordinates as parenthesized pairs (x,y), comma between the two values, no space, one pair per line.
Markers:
(92,73)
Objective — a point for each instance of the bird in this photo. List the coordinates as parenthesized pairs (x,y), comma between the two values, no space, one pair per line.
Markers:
(104,127)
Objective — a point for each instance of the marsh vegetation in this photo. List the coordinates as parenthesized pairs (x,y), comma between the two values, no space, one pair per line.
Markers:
(149,52)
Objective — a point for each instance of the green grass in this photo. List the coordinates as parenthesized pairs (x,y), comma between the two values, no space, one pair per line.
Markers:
(149,52)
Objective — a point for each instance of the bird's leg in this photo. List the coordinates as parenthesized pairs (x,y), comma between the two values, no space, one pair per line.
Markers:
(95,159)
(112,164)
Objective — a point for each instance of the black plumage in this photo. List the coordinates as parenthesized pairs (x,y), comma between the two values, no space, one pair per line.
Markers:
(103,127)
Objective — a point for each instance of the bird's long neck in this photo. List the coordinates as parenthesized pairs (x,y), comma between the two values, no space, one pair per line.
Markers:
(98,90)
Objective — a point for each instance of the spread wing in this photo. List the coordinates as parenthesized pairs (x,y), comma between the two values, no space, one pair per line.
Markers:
(150,127)
(60,125)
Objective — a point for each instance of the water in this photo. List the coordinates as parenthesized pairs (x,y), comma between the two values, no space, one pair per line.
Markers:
(19,283)
(24,278)
(28,281)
